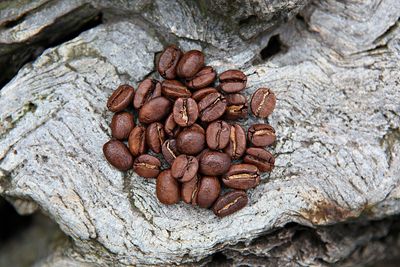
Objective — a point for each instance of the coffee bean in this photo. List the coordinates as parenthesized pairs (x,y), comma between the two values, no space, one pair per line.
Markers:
(263,102)
(212,107)
(155,110)
(236,107)
(168,61)
(174,89)
(242,176)
(190,63)
(155,136)
(121,98)
(117,154)
(191,140)
(185,111)
(137,141)
(214,163)
(200,94)
(184,168)
(230,203)
(147,166)
(171,128)
(122,124)
(169,150)
(147,89)
(190,189)
(261,135)
(203,78)
(208,191)
(217,135)
(237,142)
(261,158)
(232,81)
(167,188)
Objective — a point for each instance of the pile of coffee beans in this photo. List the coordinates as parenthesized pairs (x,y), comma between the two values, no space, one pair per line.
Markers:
(189,120)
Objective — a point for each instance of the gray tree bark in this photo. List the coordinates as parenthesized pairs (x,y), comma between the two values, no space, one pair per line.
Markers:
(334,68)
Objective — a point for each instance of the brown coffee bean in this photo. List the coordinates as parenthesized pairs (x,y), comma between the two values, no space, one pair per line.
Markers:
(261,158)
(242,176)
(190,189)
(169,150)
(185,111)
(230,203)
(117,154)
(155,136)
(261,135)
(232,81)
(263,102)
(167,188)
(214,163)
(122,124)
(121,98)
(191,140)
(171,128)
(147,89)
(200,94)
(184,168)
(203,78)
(208,191)
(217,135)
(190,63)
(168,61)
(147,166)
(174,89)
(212,107)
(137,141)
(237,142)
(236,107)
(154,110)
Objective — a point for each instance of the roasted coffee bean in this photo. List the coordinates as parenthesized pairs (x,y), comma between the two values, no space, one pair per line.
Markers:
(171,128)
(203,78)
(263,102)
(184,168)
(168,61)
(122,124)
(217,135)
(242,176)
(147,89)
(191,140)
(137,141)
(212,107)
(200,94)
(236,107)
(167,188)
(185,111)
(208,191)
(230,203)
(147,166)
(154,110)
(261,158)
(190,63)
(214,163)
(237,142)
(232,81)
(169,150)
(121,98)
(174,89)
(155,136)
(117,154)
(261,135)
(190,189)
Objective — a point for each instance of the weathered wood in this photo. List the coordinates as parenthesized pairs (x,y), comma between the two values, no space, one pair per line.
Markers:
(337,118)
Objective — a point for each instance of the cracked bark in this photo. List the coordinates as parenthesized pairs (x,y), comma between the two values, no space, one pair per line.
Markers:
(335,74)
